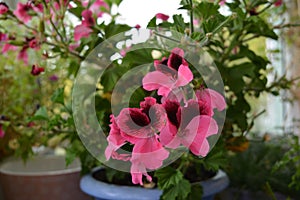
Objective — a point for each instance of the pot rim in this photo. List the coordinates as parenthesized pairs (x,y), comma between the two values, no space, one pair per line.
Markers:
(6,167)
(106,190)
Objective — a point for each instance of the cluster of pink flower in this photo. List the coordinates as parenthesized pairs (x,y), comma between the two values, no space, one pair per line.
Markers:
(176,121)
(24,14)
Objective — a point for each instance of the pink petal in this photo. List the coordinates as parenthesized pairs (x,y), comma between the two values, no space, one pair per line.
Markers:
(88,18)
(137,171)
(8,47)
(21,12)
(167,136)
(205,126)
(81,31)
(38,8)
(222,2)
(278,3)
(133,122)
(3,8)
(176,59)
(156,80)
(203,151)
(96,7)
(150,153)
(2,133)
(115,139)
(162,16)
(23,55)
(184,75)
(215,99)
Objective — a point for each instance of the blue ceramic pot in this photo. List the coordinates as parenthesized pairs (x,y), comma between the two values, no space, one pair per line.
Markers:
(104,191)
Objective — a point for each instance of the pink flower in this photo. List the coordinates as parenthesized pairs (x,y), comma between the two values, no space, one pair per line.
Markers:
(33,43)
(74,46)
(115,139)
(81,31)
(2,133)
(147,153)
(139,126)
(84,29)
(222,2)
(124,51)
(23,55)
(187,126)
(53,78)
(144,122)
(278,3)
(88,19)
(137,26)
(4,40)
(96,7)
(170,74)
(210,99)
(3,8)
(22,11)
(36,70)
(162,16)
(30,124)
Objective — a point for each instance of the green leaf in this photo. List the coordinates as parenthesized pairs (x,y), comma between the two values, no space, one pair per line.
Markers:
(258,26)
(152,23)
(111,76)
(77,11)
(58,96)
(179,22)
(73,151)
(40,114)
(178,191)
(196,192)
(215,23)
(168,177)
(111,2)
(214,160)
(138,57)
(113,29)
(206,9)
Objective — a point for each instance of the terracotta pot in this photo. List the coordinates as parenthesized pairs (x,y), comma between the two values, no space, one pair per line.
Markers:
(42,178)
(104,191)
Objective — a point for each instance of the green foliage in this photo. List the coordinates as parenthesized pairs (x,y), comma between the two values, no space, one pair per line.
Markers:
(291,157)
(225,38)
(172,183)
(252,169)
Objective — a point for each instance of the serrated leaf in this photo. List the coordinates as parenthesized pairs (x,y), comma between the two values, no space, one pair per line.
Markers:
(206,9)
(179,191)
(168,177)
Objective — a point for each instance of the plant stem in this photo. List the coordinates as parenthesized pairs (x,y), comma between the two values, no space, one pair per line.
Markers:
(191,16)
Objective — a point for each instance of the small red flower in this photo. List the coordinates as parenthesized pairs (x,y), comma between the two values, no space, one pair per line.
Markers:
(3,8)
(2,133)
(36,70)
(137,26)
(278,3)
(31,124)
(33,43)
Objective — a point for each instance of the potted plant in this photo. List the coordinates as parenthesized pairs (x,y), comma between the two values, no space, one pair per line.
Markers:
(173,77)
